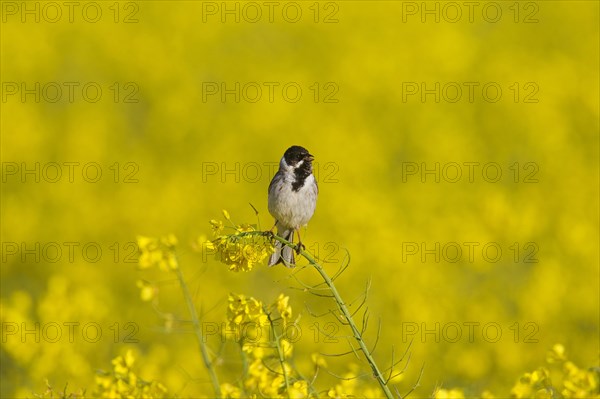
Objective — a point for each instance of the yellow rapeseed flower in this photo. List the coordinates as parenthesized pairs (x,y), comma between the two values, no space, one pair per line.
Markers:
(283,307)
(230,391)
(148,291)
(318,360)
(157,252)
(122,382)
(239,251)
(449,394)
(299,389)
(557,354)
(242,309)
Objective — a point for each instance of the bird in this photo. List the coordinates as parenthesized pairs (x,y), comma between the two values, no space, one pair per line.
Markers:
(293,196)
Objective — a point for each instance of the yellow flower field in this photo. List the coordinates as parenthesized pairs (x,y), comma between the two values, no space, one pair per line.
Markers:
(456,150)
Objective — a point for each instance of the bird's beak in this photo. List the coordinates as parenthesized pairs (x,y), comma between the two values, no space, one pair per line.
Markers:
(309,157)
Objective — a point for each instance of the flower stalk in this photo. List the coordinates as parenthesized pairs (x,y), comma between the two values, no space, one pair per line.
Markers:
(198,332)
(341,306)
(280,353)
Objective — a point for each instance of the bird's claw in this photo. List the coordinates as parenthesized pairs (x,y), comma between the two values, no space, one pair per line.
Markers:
(300,247)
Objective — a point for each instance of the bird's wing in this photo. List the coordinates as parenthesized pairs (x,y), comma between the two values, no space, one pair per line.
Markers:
(274,179)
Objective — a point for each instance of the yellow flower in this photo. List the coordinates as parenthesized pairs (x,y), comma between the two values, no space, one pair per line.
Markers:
(169,241)
(245,228)
(230,391)
(122,382)
(521,389)
(157,252)
(217,226)
(149,254)
(129,359)
(579,383)
(557,354)
(226,214)
(148,291)
(241,252)
(536,384)
(254,349)
(103,381)
(242,309)
(119,366)
(318,360)
(286,348)
(283,307)
(259,377)
(449,394)
(299,389)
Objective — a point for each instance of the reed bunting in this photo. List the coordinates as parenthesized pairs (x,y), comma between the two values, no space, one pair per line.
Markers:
(292,200)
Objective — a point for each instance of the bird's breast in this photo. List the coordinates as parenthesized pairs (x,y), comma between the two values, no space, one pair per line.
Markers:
(293,208)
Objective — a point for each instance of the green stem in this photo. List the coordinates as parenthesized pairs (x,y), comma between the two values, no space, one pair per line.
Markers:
(198,331)
(348,316)
(343,308)
(280,353)
(244,368)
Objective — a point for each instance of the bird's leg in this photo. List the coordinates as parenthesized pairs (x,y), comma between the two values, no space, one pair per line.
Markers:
(273,228)
(300,246)
(269,233)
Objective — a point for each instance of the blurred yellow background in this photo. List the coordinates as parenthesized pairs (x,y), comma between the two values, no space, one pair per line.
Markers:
(122,119)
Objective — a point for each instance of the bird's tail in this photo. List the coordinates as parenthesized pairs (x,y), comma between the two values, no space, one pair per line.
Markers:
(283,253)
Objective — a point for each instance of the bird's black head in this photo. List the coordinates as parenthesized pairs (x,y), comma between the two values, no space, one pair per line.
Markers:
(295,154)
(300,161)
